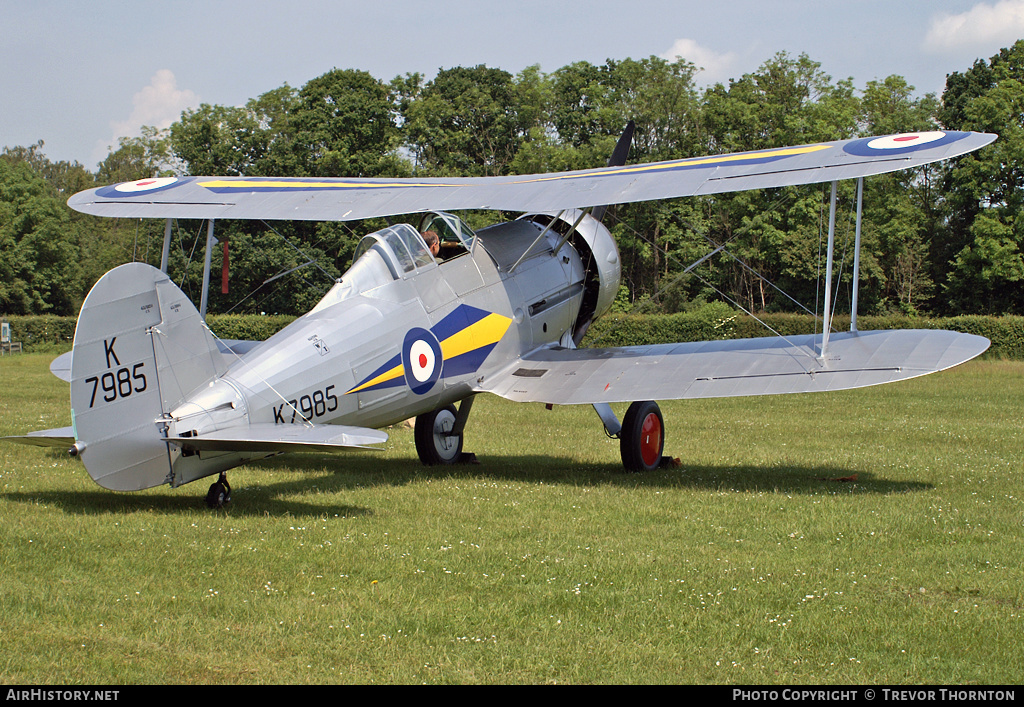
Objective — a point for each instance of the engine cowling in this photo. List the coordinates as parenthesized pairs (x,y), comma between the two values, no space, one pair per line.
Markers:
(600,255)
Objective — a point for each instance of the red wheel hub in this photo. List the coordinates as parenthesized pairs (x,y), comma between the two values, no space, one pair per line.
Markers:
(650,440)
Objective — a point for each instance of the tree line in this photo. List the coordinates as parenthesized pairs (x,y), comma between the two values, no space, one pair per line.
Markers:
(941,240)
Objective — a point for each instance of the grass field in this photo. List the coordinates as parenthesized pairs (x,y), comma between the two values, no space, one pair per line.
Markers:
(545,563)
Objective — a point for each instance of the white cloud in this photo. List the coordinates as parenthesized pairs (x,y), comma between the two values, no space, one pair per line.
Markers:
(983,26)
(714,66)
(159,104)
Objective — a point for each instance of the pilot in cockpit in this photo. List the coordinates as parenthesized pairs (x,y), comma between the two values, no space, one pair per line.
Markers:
(433,243)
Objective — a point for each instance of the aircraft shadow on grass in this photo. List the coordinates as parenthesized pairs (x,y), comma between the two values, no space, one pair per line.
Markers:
(300,495)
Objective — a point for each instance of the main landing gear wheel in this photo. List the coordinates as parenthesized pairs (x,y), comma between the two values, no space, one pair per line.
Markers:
(219,494)
(434,442)
(642,438)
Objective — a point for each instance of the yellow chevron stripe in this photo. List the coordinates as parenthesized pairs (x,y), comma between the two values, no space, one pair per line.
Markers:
(242,185)
(487,331)
(384,377)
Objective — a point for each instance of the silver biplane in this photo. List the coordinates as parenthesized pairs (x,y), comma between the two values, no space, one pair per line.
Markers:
(157,399)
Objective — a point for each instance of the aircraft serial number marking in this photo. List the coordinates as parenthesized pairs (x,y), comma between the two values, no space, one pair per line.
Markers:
(122,383)
(307,407)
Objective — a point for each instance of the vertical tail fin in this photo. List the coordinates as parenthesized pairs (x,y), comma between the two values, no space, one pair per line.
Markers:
(140,347)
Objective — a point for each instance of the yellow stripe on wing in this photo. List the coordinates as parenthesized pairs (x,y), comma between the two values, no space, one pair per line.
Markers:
(244,184)
(690,162)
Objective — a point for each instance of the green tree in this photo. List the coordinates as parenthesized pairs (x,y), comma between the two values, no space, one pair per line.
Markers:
(148,155)
(345,124)
(901,221)
(985,189)
(468,122)
(253,140)
(38,250)
(589,107)
(889,107)
(786,101)
(988,272)
(774,234)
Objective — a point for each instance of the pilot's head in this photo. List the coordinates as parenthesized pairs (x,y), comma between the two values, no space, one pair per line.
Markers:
(432,241)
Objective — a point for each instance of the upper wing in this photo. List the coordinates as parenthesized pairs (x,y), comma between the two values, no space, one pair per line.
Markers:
(345,199)
(713,369)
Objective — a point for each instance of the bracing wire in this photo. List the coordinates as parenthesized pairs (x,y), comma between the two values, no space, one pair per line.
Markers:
(690,270)
(195,244)
(298,250)
(241,359)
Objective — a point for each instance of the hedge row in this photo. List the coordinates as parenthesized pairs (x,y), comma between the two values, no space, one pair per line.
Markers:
(51,333)
(714,321)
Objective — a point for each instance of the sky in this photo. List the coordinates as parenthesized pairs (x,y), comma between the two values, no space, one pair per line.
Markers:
(80,75)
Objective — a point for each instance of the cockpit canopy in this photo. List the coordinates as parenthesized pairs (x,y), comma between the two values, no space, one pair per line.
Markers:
(397,252)
(456,237)
(401,246)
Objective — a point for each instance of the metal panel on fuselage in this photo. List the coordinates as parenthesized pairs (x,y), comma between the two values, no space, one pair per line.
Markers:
(546,287)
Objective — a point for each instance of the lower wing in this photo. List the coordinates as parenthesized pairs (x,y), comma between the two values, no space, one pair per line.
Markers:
(711,369)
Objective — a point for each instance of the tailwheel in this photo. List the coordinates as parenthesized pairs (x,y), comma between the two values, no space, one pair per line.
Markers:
(642,437)
(219,494)
(435,442)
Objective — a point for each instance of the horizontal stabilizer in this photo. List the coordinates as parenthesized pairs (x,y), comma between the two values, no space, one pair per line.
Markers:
(63,437)
(733,367)
(61,367)
(282,438)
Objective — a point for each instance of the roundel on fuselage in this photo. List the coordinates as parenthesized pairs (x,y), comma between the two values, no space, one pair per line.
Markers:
(422,360)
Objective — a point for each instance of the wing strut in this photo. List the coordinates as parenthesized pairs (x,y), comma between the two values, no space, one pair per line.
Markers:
(856,256)
(166,253)
(827,312)
(568,234)
(537,240)
(204,298)
(558,246)
(165,257)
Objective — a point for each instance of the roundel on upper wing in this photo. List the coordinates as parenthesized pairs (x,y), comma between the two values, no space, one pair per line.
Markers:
(422,360)
(897,142)
(139,186)
(901,143)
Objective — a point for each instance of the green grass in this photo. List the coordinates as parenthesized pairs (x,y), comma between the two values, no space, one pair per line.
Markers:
(545,563)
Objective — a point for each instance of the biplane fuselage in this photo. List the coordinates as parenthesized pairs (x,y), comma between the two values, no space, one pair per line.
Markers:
(429,331)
